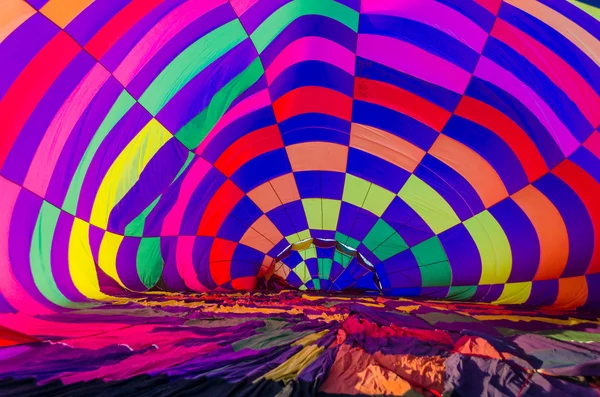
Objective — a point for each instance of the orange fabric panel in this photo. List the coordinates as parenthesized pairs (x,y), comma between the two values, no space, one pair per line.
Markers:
(355,371)
(262,235)
(61,12)
(474,168)
(318,156)
(551,231)
(14,13)
(386,146)
(572,293)
(278,191)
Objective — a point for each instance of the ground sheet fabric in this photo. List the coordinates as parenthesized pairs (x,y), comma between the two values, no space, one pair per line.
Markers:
(289,344)
(452,144)
(425,149)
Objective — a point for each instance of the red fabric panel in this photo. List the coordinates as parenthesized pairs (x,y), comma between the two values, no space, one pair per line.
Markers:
(31,85)
(218,208)
(496,121)
(588,191)
(220,260)
(313,100)
(248,147)
(402,101)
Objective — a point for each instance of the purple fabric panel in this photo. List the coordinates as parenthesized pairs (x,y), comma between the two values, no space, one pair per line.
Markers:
(463,255)
(593,300)
(170,275)
(522,237)
(127,264)
(201,260)
(488,293)
(37,4)
(154,179)
(543,293)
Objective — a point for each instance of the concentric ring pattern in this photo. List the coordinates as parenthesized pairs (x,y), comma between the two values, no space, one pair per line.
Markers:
(453,143)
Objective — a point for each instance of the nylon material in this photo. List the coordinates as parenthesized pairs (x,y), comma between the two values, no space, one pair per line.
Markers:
(41,245)
(126,169)
(427,170)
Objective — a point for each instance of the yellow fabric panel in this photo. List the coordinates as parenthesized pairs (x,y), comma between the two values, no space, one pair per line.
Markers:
(515,293)
(81,261)
(126,170)
(493,246)
(310,339)
(291,368)
(107,258)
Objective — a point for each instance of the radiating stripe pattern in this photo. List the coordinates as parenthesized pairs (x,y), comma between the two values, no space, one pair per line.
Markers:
(454,144)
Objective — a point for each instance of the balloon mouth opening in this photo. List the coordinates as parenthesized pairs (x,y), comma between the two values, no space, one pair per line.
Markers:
(276,277)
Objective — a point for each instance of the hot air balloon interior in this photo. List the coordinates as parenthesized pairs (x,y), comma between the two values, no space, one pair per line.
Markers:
(300,198)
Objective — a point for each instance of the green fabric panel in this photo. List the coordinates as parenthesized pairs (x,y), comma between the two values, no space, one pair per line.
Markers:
(189,159)
(438,317)
(390,247)
(429,204)
(189,63)
(461,293)
(135,228)
(310,252)
(342,259)
(149,261)
(383,241)
(273,334)
(121,106)
(433,263)
(40,256)
(316,283)
(594,11)
(349,241)
(325,265)
(194,132)
(287,14)
(571,335)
